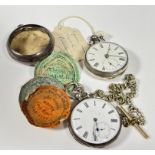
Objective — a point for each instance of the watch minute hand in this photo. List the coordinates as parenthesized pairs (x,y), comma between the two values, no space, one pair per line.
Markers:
(94,132)
(108,49)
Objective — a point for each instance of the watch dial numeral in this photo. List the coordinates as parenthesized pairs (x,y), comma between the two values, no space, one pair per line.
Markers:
(121,53)
(95,48)
(85,135)
(111,111)
(79,110)
(114,120)
(92,53)
(103,68)
(122,59)
(116,48)
(91,59)
(96,64)
(76,118)
(79,127)
(103,105)
(86,105)
(113,129)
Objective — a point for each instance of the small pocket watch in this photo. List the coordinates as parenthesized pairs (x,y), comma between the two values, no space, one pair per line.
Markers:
(105,59)
(95,122)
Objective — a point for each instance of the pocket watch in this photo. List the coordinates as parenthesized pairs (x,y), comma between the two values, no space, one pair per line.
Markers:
(97,118)
(105,59)
(95,122)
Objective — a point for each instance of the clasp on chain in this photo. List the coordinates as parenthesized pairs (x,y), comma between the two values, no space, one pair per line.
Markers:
(96,38)
(78,92)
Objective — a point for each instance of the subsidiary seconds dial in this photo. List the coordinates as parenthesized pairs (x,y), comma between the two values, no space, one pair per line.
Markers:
(106,59)
(95,122)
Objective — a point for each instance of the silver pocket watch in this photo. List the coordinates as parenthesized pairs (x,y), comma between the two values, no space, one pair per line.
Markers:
(93,121)
(105,59)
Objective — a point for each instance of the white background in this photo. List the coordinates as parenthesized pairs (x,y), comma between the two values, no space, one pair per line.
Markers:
(131,26)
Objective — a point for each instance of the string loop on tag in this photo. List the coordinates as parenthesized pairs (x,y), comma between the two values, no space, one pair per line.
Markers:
(61,22)
(98,33)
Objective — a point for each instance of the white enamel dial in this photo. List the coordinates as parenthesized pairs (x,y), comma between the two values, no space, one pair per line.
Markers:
(95,121)
(106,57)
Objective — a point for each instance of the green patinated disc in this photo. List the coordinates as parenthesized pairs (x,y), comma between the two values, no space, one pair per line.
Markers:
(60,66)
(30,87)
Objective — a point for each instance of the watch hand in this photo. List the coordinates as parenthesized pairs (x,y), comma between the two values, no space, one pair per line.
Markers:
(108,49)
(95,127)
(107,54)
(116,56)
(94,134)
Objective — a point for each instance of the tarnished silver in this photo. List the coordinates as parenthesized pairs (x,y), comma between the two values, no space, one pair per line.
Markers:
(33,58)
(95,38)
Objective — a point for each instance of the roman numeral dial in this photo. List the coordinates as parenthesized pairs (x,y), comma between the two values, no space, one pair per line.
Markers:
(94,121)
(106,57)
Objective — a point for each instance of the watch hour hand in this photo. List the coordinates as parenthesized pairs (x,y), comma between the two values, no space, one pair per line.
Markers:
(108,49)
(107,54)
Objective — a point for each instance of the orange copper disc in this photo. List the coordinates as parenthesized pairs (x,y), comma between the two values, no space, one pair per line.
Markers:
(47,106)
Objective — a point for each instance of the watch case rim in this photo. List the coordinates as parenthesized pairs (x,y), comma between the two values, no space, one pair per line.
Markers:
(33,58)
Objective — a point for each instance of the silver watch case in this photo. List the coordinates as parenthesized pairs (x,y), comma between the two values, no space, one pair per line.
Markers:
(102,145)
(107,75)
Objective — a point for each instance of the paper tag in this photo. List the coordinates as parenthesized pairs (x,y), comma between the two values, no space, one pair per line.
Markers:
(70,40)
